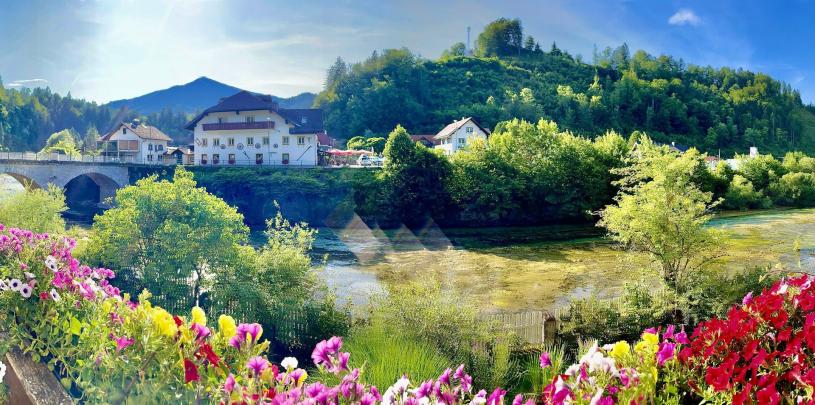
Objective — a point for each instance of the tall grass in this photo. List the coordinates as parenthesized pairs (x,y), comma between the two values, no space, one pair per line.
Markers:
(533,378)
(385,355)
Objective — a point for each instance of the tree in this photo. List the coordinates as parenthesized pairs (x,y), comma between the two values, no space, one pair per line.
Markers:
(89,145)
(662,212)
(457,49)
(62,142)
(502,37)
(170,237)
(529,44)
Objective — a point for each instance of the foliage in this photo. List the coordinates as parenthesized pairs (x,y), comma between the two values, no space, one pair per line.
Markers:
(376,143)
(62,142)
(35,208)
(172,237)
(741,195)
(661,211)
(714,109)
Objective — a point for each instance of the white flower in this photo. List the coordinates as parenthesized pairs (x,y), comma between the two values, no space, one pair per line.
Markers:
(29,275)
(54,295)
(15,284)
(26,290)
(596,398)
(398,388)
(51,263)
(4,285)
(2,371)
(289,363)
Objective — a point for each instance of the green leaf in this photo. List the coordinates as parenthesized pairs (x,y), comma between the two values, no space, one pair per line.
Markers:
(76,326)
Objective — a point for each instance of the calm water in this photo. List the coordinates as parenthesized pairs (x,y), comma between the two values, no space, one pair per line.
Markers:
(529,268)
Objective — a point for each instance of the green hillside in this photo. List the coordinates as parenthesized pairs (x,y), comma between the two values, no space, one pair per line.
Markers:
(710,108)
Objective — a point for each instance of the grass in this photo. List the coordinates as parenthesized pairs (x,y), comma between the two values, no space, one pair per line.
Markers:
(384,356)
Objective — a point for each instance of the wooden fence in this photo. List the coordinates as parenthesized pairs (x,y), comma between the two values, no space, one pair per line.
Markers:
(533,327)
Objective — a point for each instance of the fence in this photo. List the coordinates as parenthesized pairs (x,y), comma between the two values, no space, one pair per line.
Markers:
(58,157)
(533,327)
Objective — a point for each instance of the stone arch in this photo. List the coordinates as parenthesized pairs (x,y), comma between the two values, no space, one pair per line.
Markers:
(24,180)
(105,186)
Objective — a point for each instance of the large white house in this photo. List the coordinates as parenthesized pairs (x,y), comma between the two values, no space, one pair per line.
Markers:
(250,129)
(134,143)
(458,134)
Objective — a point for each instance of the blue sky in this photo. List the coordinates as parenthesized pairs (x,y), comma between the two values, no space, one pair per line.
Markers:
(109,49)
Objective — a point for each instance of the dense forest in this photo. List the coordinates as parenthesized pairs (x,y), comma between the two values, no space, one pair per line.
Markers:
(28,117)
(511,76)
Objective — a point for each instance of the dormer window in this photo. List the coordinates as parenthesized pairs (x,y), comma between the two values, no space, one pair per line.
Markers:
(124,130)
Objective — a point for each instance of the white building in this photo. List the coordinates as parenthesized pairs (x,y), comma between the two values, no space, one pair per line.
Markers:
(458,134)
(250,129)
(134,143)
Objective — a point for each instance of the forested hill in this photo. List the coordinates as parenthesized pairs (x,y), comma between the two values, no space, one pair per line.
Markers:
(712,109)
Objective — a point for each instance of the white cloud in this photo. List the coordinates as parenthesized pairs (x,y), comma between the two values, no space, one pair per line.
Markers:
(30,83)
(684,17)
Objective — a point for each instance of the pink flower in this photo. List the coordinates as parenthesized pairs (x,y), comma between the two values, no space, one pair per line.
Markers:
(546,361)
(201,331)
(257,364)
(122,342)
(229,384)
(665,353)
(747,299)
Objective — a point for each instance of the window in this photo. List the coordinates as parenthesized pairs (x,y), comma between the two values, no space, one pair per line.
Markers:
(222,120)
(159,147)
(203,158)
(250,118)
(468,130)
(203,141)
(301,140)
(232,158)
(149,158)
(258,158)
(160,158)
(285,158)
(216,141)
(216,158)
(124,130)
(230,141)
(462,141)
(304,120)
(150,147)
(265,140)
(285,140)
(250,141)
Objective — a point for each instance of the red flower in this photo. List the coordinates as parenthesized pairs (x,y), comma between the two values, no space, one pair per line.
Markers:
(207,352)
(768,395)
(190,371)
(178,321)
(743,396)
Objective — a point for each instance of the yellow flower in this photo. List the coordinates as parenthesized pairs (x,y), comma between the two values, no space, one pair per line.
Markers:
(620,349)
(198,316)
(650,338)
(163,322)
(226,324)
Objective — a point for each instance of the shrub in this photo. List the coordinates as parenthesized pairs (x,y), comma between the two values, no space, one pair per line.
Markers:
(741,195)
(39,210)
(797,189)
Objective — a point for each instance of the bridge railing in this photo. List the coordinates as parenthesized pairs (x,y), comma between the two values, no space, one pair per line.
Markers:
(58,157)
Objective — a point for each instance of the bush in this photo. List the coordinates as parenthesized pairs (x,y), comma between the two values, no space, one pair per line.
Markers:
(741,195)
(797,189)
(39,210)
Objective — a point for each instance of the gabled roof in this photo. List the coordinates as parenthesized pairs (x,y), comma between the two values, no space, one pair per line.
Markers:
(172,149)
(141,130)
(452,128)
(304,120)
(426,139)
(324,139)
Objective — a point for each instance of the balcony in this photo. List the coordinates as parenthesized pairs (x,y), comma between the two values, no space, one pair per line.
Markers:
(233,126)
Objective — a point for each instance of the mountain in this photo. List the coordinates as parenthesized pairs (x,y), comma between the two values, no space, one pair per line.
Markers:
(197,95)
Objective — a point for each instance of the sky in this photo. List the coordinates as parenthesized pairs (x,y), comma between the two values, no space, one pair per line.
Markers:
(104,50)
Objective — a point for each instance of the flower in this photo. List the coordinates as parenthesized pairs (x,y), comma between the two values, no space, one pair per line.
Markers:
(198,316)
(190,371)
(51,263)
(201,331)
(257,364)
(665,353)
(15,284)
(226,326)
(2,371)
(163,322)
(54,295)
(620,349)
(229,384)
(29,275)
(289,363)
(122,342)
(545,360)
(4,285)
(246,333)
(747,299)
(25,290)
(207,352)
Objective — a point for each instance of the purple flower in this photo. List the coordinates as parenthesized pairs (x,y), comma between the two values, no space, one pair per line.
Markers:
(257,364)
(546,361)
(444,378)
(747,299)
(665,353)
(424,389)
(201,331)
(669,332)
(122,342)
(497,397)
(229,384)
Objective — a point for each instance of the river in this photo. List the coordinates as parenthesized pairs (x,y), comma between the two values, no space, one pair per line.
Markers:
(532,267)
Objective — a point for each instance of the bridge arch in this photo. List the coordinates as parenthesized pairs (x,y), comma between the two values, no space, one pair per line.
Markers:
(90,188)
(24,180)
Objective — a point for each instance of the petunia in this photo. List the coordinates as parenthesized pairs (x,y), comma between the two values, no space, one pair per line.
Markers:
(257,364)
(198,316)
(226,326)
(289,363)
(665,353)
(55,295)
(29,275)
(207,352)
(229,384)
(4,285)
(545,360)
(15,284)
(190,371)
(747,299)
(25,291)
(201,331)
(123,342)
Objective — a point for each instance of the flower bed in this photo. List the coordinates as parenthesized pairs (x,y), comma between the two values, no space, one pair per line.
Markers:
(106,347)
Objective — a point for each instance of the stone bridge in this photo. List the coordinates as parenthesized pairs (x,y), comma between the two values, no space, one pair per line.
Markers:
(106,177)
